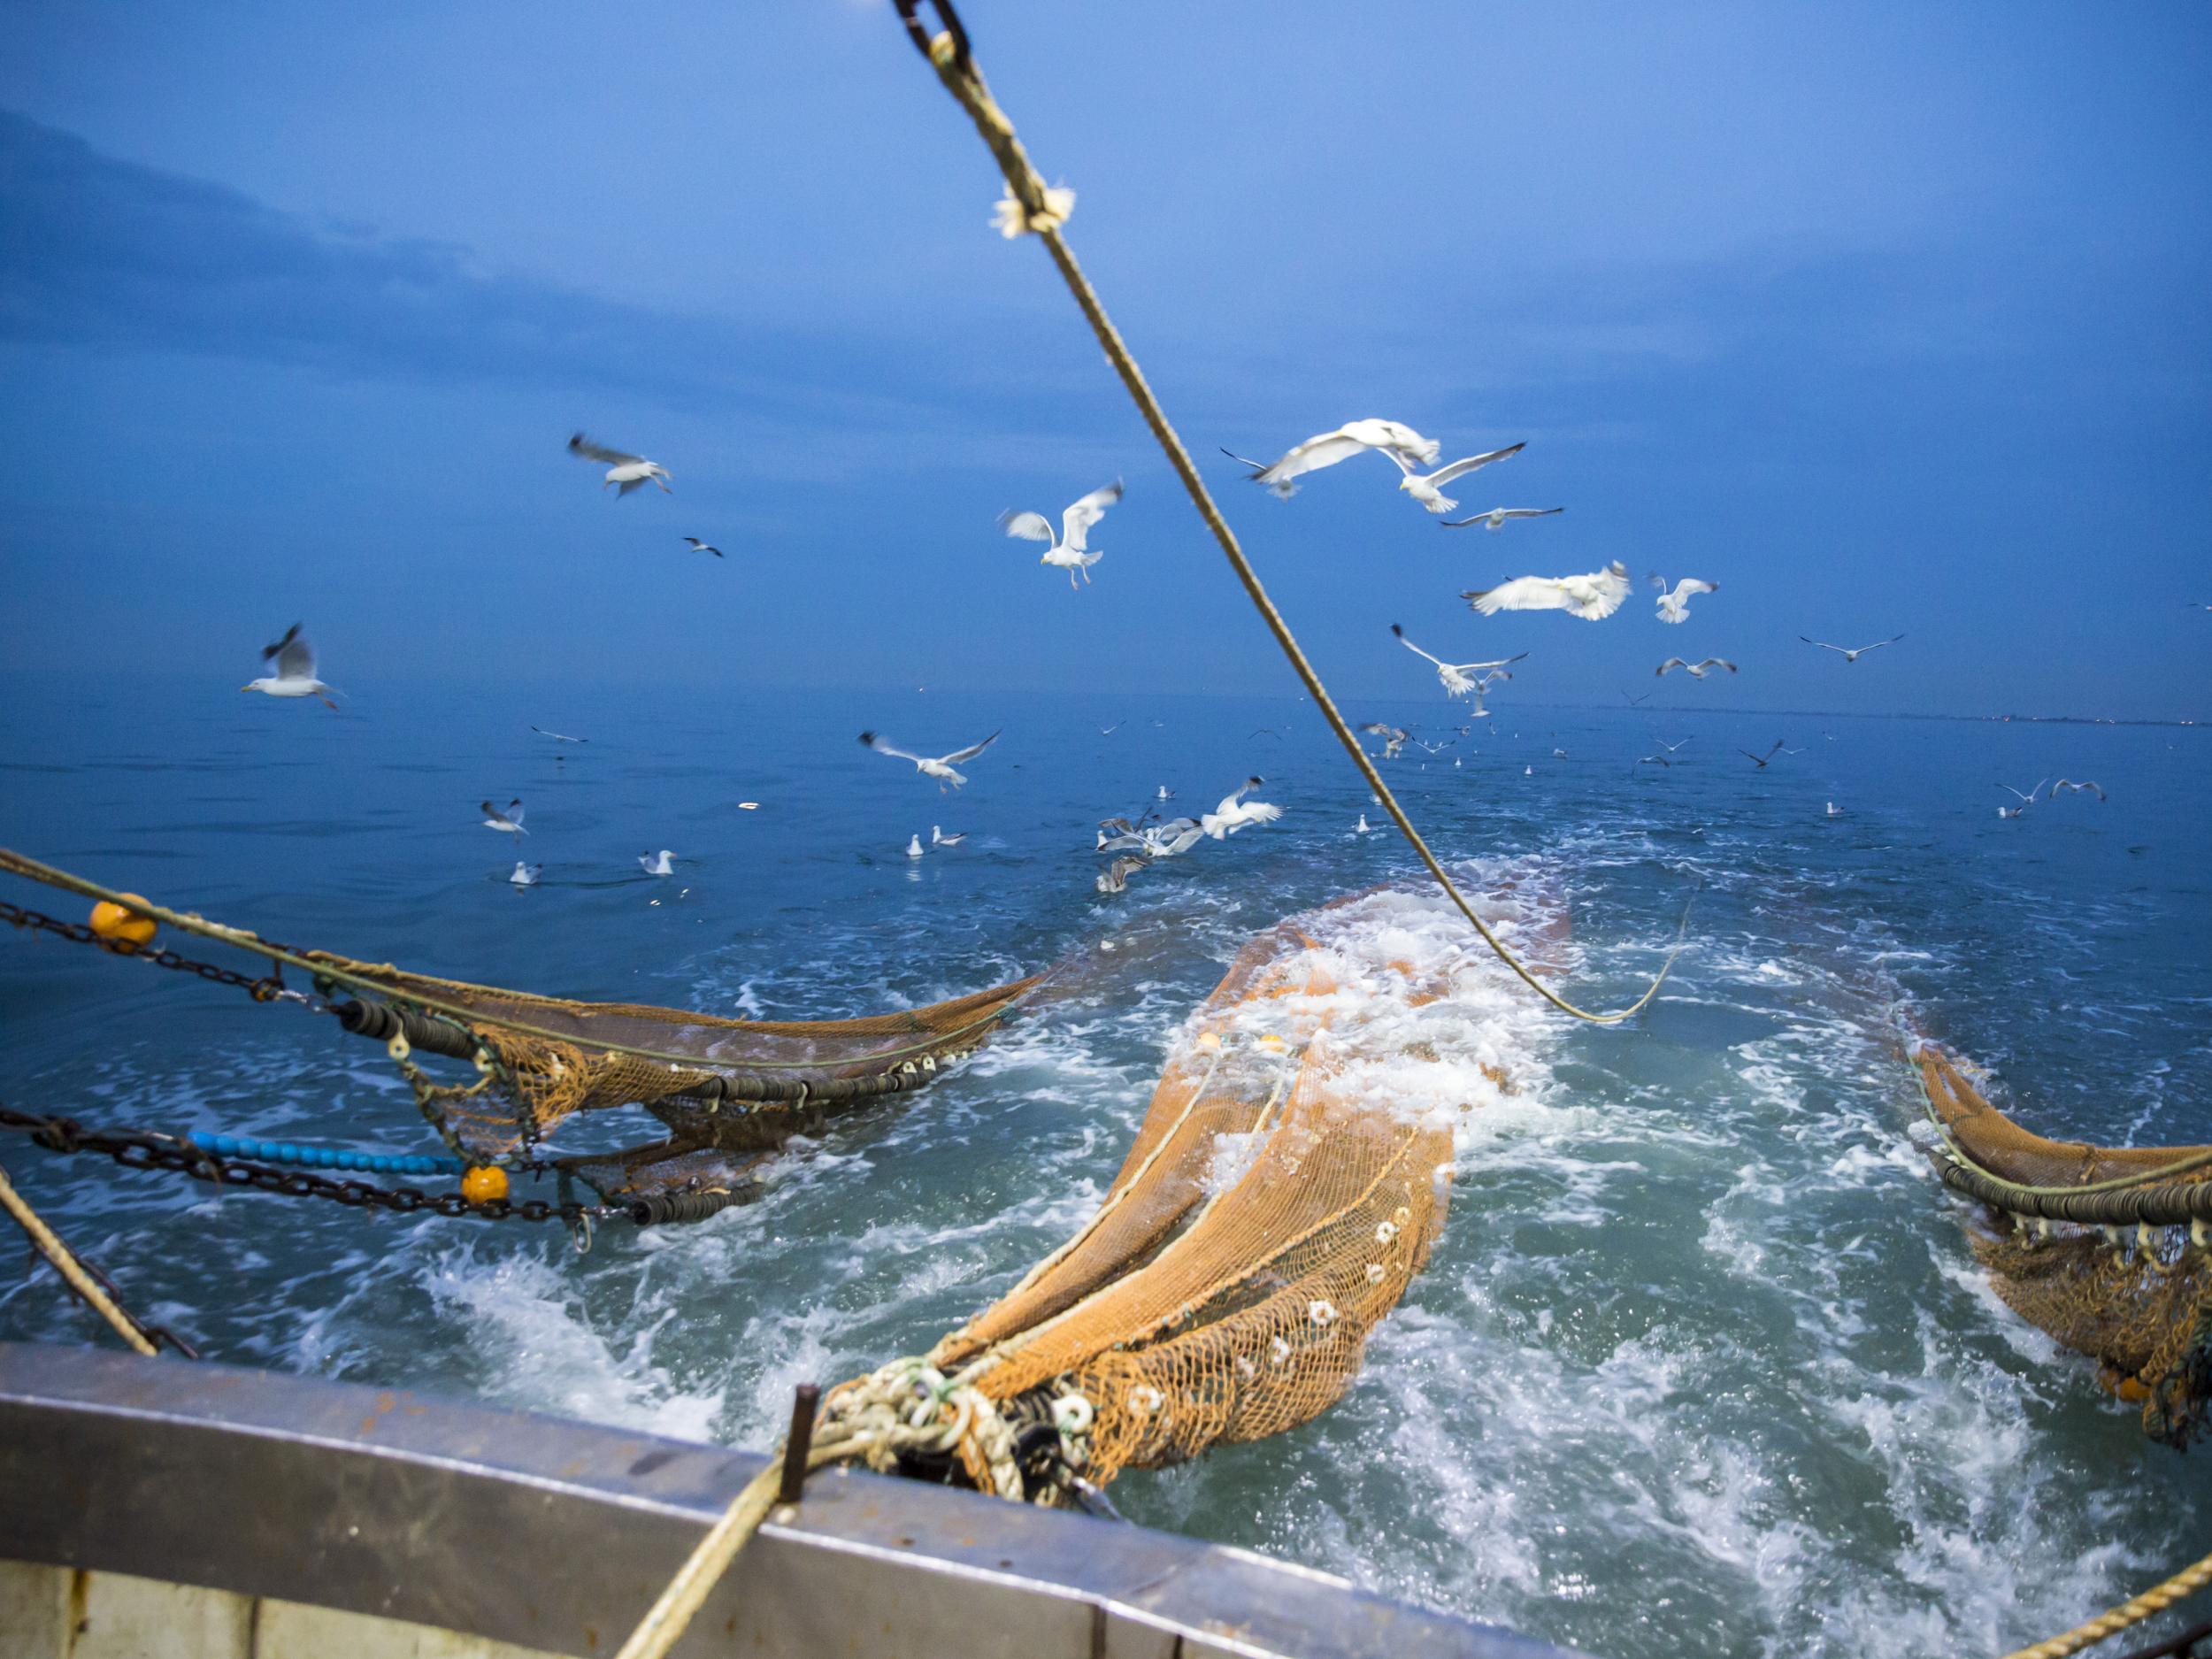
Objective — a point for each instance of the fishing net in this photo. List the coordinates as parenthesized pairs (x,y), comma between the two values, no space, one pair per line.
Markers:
(1284,1187)
(2123,1274)
(731,1085)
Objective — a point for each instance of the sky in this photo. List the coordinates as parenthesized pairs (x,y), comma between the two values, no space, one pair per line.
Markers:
(1885,318)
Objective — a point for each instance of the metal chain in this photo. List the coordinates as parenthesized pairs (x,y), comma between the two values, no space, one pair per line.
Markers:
(137,1150)
(270,987)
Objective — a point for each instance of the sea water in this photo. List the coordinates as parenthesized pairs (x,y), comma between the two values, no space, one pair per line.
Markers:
(1702,1361)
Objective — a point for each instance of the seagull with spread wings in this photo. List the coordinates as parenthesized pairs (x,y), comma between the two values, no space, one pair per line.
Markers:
(2072,788)
(1068,551)
(940,767)
(295,676)
(625,472)
(1235,812)
(2026,800)
(559,737)
(507,820)
(1326,449)
(1394,737)
(1459,678)
(1675,607)
(1696,671)
(1847,655)
(1760,761)
(1429,489)
(697,546)
(1497,517)
(1592,597)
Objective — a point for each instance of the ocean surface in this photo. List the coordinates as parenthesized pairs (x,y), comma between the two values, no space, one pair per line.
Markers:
(1702,1362)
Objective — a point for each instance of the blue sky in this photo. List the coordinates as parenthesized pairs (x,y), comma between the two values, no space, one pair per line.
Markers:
(1884,316)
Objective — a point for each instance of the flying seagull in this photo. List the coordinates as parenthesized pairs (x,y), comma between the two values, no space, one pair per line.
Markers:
(1429,490)
(559,737)
(1592,597)
(507,820)
(1675,607)
(627,471)
(660,864)
(1173,838)
(697,546)
(295,676)
(1393,738)
(1673,748)
(1459,678)
(2076,788)
(1114,877)
(940,767)
(1235,812)
(2026,800)
(1851,657)
(1326,449)
(527,875)
(938,837)
(1067,552)
(1655,760)
(1696,671)
(1495,519)
(1760,761)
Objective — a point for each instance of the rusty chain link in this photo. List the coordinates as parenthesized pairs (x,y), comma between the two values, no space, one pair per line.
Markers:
(138,1149)
(270,987)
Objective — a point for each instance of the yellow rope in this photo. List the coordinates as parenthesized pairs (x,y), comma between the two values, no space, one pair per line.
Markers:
(2157,1599)
(964,81)
(48,1245)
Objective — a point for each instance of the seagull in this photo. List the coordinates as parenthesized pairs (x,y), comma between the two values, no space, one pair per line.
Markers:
(939,768)
(1393,738)
(1592,597)
(1265,731)
(1434,749)
(1361,828)
(1654,760)
(1851,657)
(938,837)
(1116,876)
(1834,810)
(1107,730)
(527,875)
(508,821)
(1672,747)
(1495,519)
(1429,490)
(1696,671)
(1235,812)
(1632,701)
(1326,449)
(559,737)
(1455,676)
(1173,838)
(1559,754)
(697,546)
(660,864)
(1165,794)
(914,846)
(2096,789)
(1760,761)
(1124,838)
(295,675)
(629,471)
(1675,607)
(1067,552)
(2026,800)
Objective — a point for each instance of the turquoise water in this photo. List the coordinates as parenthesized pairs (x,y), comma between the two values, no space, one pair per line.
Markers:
(1702,1364)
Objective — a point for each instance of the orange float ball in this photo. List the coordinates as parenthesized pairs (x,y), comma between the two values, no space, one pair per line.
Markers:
(483,1184)
(119,925)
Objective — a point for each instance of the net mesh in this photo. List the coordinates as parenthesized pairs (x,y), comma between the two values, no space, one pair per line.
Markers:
(1283,1189)
(2140,1303)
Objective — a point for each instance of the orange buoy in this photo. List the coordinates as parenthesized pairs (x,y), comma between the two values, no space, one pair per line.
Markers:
(484,1183)
(119,925)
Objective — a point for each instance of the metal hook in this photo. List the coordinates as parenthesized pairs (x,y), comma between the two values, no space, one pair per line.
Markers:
(919,35)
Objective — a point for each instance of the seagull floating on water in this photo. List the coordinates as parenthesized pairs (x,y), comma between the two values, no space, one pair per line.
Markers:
(1459,678)
(939,767)
(697,546)
(1361,828)
(527,875)
(1851,657)
(1165,794)
(507,820)
(625,471)
(938,837)
(1067,552)
(295,676)
(1497,517)
(660,864)
(1834,810)
(1675,607)
(1696,671)
(1326,449)
(914,846)
(1429,490)
(1592,597)
(1235,812)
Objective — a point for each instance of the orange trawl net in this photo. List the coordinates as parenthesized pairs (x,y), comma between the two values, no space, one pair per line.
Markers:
(1283,1188)
(2139,1299)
